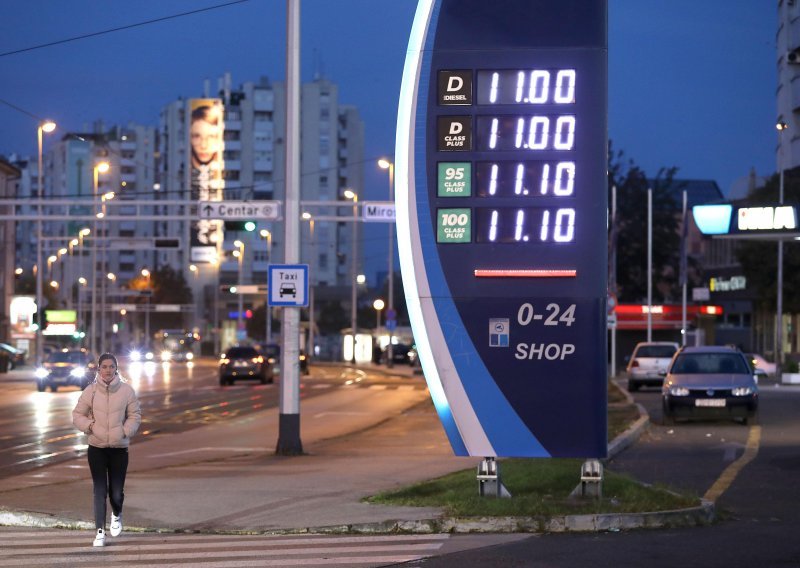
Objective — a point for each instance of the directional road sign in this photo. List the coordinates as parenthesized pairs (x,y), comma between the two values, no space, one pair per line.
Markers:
(231,210)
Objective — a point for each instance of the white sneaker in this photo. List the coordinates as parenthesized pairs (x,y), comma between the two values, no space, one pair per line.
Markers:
(116,525)
(100,538)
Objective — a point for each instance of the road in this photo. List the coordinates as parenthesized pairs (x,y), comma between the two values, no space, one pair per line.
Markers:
(758,501)
(36,428)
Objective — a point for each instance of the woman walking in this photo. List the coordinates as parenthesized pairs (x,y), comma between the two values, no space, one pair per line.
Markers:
(108,411)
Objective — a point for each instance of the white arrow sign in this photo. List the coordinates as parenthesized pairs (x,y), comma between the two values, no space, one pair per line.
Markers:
(243,210)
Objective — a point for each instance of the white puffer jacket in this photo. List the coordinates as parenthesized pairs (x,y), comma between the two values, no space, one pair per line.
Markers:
(109,414)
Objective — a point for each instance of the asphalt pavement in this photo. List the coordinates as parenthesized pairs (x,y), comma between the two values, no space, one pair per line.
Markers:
(225,477)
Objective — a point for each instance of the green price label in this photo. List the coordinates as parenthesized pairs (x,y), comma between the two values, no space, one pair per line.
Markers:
(453,226)
(455,179)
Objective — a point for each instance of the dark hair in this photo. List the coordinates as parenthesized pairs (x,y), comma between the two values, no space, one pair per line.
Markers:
(106,356)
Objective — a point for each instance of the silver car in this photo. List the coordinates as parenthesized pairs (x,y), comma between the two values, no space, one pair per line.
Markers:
(649,363)
(710,382)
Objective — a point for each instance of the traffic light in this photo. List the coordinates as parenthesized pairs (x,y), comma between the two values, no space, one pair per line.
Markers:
(248,226)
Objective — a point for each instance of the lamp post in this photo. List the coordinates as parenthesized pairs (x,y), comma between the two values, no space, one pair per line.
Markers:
(81,284)
(99,168)
(390,313)
(265,234)
(146,274)
(239,253)
(350,194)
(378,305)
(44,126)
(104,261)
(781,126)
(311,317)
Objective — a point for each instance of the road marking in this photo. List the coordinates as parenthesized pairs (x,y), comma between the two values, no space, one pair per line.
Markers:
(726,479)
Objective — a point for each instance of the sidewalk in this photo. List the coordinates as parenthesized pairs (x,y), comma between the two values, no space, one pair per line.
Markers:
(226,477)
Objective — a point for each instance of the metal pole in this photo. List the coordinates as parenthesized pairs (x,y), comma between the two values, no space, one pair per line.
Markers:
(289,418)
(312,277)
(649,264)
(354,283)
(93,342)
(240,300)
(268,307)
(390,310)
(147,314)
(779,327)
(614,276)
(686,276)
(217,345)
(39,276)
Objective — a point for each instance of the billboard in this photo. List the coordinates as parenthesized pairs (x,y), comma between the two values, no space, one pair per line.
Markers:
(205,118)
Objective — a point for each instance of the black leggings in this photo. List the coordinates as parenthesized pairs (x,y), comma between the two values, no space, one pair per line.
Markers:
(108,467)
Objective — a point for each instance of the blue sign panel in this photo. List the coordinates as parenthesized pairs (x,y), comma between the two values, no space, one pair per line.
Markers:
(501,204)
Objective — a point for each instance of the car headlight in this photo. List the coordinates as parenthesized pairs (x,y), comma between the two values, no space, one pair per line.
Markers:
(135,356)
(742,391)
(78,372)
(678,391)
(166,355)
(189,356)
(41,373)
(149,356)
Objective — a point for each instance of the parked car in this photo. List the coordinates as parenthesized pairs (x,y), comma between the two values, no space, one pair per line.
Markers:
(401,353)
(761,366)
(67,367)
(649,362)
(244,362)
(710,382)
(16,357)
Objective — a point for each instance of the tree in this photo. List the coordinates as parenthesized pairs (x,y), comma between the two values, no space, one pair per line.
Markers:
(631,230)
(759,259)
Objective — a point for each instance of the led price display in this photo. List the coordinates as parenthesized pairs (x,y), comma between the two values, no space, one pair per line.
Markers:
(529,87)
(525,179)
(525,132)
(524,224)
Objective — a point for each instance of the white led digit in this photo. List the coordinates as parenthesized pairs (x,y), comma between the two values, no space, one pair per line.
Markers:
(565,178)
(493,136)
(520,132)
(493,227)
(493,90)
(539,87)
(564,229)
(565,133)
(539,125)
(520,224)
(545,179)
(565,86)
(520,176)
(520,86)
(545,226)
(493,180)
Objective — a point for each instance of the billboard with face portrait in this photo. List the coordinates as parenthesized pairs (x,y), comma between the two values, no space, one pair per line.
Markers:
(206,166)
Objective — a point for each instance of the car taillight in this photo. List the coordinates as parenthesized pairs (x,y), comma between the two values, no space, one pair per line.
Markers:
(635,363)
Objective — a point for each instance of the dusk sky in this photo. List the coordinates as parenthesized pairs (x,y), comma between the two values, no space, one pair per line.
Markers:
(692,83)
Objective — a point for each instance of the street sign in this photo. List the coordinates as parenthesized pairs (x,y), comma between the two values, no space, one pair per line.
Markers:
(501,158)
(391,324)
(288,285)
(378,211)
(244,210)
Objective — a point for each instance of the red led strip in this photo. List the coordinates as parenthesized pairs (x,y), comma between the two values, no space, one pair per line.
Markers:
(525,273)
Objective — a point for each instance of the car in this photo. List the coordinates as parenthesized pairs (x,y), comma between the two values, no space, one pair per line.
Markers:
(710,382)
(401,353)
(761,366)
(287,289)
(66,367)
(244,362)
(272,351)
(649,362)
(16,357)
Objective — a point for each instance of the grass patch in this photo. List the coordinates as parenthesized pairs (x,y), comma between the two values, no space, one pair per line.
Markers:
(538,487)
(615,394)
(620,418)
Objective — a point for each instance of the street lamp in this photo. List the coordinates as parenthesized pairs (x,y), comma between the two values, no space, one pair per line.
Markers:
(350,194)
(378,305)
(99,168)
(385,164)
(311,317)
(146,274)
(44,126)
(265,234)
(781,126)
(240,314)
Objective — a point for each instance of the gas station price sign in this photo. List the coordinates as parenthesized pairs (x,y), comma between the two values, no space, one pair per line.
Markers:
(501,196)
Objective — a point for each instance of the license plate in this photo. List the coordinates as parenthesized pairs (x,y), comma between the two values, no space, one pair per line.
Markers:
(715,402)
